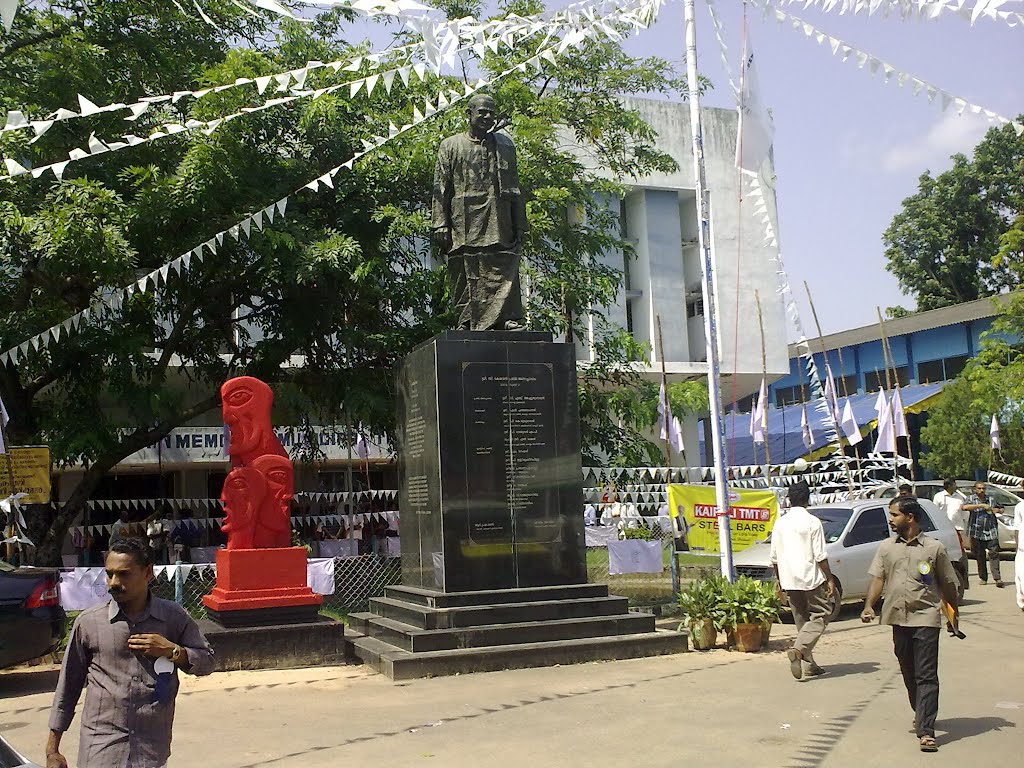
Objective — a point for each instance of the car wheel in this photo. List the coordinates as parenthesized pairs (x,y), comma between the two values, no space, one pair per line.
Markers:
(835,603)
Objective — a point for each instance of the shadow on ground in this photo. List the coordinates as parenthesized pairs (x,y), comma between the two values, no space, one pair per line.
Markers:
(957,728)
(28,681)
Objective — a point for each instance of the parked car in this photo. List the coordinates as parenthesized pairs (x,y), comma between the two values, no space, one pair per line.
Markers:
(853,531)
(9,757)
(31,620)
(1000,497)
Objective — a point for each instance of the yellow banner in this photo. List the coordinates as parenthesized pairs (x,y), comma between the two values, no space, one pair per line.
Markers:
(30,466)
(753,514)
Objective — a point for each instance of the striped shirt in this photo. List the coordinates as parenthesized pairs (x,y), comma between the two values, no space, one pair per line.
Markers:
(123,726)
(982,524)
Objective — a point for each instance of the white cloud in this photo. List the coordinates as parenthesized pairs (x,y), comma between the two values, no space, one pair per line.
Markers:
(951,134)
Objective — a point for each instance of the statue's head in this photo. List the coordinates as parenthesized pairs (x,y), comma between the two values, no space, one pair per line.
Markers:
(243,492)
(279,474)
(482,114)
(245,404)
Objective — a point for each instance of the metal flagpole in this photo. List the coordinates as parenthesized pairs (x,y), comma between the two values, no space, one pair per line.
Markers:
(710,312)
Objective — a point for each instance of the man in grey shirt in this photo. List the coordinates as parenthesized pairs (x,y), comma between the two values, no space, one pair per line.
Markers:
(129,651)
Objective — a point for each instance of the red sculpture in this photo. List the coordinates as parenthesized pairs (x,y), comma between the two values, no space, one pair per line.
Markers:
(258,491)
(259,569)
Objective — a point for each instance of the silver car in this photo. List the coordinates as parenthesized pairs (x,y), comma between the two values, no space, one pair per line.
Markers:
(853,531)
(1000,498)
(9,758)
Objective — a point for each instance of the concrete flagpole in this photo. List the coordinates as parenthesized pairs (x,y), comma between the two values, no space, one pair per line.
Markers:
(710,310)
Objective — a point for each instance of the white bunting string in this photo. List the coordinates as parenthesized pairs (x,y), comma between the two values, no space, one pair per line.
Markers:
(922,10)
(890,73)
(16,120)
(243,229)
(723,48)
(285,80)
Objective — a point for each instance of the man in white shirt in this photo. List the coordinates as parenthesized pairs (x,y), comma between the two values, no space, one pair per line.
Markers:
(1018,563)
(951,501)
(801,568)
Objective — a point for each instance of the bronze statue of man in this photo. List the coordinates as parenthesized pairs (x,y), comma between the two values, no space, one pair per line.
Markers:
(479,220)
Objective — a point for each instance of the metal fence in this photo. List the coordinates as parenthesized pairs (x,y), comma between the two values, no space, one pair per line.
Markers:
(357,579)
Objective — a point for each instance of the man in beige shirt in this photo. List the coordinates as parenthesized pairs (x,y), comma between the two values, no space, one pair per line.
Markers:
(915,574)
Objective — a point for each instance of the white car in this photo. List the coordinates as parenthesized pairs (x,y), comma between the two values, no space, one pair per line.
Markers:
(1007,500)
(853,531)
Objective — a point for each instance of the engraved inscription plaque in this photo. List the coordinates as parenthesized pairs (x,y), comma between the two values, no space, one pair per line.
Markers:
(489,463)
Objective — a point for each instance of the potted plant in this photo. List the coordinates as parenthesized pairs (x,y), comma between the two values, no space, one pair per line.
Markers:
(699,604)
(768,607)
(742,612)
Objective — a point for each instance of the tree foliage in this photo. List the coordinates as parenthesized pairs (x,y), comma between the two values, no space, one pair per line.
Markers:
(961,235)
(322,304)
(957,432)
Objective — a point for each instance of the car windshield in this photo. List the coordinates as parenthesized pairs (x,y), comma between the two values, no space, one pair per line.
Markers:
(833,521)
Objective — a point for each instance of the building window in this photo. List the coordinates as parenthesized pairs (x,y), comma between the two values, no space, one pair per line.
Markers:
(695,308)
(787,396)
(876,380)
(941,370)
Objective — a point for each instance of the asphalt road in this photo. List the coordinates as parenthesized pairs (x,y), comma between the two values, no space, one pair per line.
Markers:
(718,708)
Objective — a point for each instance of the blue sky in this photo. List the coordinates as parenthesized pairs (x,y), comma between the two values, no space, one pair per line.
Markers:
(848,147)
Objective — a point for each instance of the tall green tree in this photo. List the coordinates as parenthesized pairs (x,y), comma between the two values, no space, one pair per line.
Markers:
(322,304)
(961,235)
(957,432)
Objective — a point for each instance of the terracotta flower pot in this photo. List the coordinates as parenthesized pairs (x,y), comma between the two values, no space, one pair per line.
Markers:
(766,632)
(703,635)
(748,637)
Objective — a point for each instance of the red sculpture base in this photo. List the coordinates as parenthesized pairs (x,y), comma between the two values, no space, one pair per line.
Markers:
(253,579)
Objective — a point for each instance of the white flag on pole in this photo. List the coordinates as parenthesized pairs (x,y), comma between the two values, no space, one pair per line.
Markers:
(881,402)
(759,416)
(831,395)
(676,435)
(849,424)
(899,419)
(886,442)
(664,413)
(362,451)
(993,432)
(756,130)
(4,418)
(805,429)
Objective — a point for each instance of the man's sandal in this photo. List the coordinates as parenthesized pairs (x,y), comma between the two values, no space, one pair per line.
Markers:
(928,744)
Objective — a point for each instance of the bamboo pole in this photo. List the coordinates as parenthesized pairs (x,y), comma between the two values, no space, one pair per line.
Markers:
(886,352)
(764,376)
(832,414)
(846,394)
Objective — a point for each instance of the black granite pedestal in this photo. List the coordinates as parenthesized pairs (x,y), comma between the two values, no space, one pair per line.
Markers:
(489,463)
(493,556)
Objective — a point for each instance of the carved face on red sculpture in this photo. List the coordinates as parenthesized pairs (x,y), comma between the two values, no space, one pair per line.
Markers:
(243,494)
(245,405)
(279,474)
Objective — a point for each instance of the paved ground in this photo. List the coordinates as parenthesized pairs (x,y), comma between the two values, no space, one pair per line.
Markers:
(717,708)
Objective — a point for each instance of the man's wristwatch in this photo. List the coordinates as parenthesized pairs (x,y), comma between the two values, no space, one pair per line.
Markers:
(176,654)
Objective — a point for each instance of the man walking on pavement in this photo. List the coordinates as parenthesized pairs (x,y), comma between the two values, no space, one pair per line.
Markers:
(129,651)
(950,502)
(983,528)
(802,571)
(915,575)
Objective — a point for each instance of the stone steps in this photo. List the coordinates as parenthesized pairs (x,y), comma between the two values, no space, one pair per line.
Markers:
(425,617)
(399,664)
(410,638)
